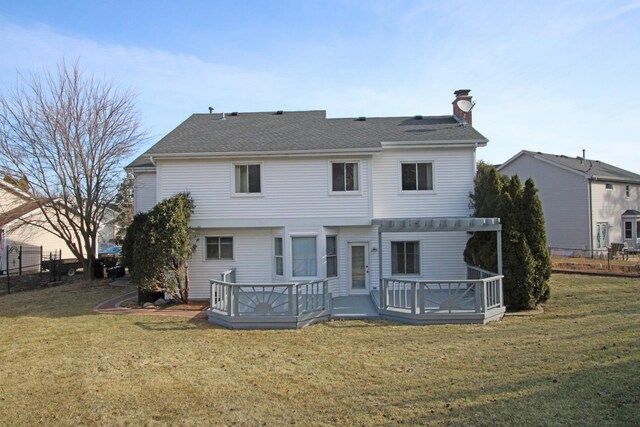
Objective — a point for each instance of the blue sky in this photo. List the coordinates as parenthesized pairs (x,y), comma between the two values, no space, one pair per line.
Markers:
(552,76)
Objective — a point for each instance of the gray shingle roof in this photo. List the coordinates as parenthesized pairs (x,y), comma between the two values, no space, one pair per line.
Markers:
(303,131)
(593,168)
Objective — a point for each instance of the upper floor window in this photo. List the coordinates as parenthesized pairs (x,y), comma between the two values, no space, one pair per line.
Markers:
(344,176)
(219,247)
(608,186)
(405,257)
(627,191)
(417,176)
(248,178)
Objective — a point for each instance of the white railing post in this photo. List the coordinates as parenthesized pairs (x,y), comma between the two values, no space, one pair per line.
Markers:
(325,294)
(421,298)
(413,298)
(478,294)
(299,299)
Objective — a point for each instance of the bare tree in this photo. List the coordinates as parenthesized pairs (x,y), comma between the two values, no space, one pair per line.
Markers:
(68,134)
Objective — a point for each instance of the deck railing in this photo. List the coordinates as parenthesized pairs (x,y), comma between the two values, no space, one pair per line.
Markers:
(474,295)
(269,299)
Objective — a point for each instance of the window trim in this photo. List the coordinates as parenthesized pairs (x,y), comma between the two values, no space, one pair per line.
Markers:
(335,236)
(415,162)
(233,179)
(419,273)
(233,247)
(346,192)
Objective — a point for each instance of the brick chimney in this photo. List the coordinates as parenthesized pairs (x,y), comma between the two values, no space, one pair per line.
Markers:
(463,113)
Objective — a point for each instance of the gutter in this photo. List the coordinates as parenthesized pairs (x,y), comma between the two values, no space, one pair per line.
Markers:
(591,218)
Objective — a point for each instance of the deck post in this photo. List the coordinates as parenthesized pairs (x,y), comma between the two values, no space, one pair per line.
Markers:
(299,298)
(383,302)
(325,294)
(414,303)
(499,241)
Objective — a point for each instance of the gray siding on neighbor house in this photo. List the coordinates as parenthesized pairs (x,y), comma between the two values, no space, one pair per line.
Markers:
(565,200)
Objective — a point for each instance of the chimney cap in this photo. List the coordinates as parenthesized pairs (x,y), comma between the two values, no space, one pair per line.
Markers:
(462,92)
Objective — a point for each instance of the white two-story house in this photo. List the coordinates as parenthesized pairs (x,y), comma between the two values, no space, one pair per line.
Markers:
(356,207)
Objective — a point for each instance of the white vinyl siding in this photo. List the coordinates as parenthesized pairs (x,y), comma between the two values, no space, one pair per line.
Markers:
(253,261)
(441,254)
(144,191)
(453,173)
(291,188)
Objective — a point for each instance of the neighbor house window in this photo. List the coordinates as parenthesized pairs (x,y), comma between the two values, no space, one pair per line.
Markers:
(332,256)
(638,230)
(219,247)
(627,230)
(608,186)
(417,176)
(344,176)
(405,258)
(303,257)
(627,191)
(279,256)
(248,179)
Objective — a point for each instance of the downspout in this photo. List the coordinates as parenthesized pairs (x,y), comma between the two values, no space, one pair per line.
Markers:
(590,218)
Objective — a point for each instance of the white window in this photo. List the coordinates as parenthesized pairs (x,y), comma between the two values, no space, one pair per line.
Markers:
(417,176)
(608,186)
(344,176)
(219,247)
(279,256)
(248,179)
(303,257)
(627,191)
(332,256)
(405,257)
(628,234)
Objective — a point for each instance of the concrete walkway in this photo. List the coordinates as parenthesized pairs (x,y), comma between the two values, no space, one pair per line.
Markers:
(112,306)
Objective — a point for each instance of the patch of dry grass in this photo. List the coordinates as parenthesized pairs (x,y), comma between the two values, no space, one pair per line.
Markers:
(576,364)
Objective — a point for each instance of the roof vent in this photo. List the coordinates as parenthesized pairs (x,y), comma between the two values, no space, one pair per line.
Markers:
(279,113)
(233,114)
(418,117)
(361,119)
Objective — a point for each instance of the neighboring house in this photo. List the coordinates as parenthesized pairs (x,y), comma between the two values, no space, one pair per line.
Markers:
(17,210)
(588,204)
(349,207)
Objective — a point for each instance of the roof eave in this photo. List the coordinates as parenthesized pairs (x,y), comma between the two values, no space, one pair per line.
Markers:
(341,151)
(457,143)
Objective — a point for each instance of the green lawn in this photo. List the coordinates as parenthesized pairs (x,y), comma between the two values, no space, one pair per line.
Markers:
(577,364)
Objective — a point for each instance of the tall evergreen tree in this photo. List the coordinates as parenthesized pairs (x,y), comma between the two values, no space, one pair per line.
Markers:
(533,228)
(526,264)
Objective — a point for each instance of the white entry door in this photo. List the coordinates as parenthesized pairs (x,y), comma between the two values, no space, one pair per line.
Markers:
(358,268)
